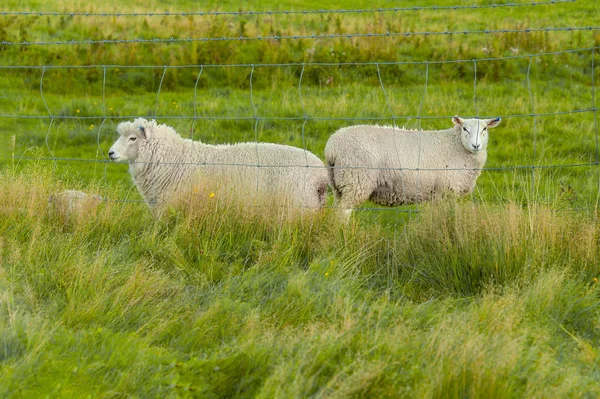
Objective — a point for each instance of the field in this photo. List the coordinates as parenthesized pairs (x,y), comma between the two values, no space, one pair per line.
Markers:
(493,295)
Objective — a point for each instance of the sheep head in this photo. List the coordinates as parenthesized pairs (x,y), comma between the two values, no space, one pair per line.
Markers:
(132,135)
(474,132)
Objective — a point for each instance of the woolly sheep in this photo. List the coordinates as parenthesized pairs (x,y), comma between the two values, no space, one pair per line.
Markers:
(392,166)
(70,202)
(163,165)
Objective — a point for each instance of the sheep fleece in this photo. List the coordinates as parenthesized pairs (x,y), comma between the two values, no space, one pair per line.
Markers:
(366,162)
(167,164)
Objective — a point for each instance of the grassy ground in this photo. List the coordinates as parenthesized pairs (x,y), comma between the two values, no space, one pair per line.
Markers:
(494,295)
(468,300)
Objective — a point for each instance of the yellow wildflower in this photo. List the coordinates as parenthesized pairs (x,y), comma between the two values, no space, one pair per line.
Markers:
(91,127)
(211,195)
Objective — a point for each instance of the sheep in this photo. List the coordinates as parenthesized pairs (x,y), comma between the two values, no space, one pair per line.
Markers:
(164,166)
(71,202)
(392,166)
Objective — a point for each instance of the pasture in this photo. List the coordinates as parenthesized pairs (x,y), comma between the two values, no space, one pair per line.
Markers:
(492,295)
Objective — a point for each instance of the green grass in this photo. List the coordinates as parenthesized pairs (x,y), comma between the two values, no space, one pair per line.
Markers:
(490,296)
(470,299)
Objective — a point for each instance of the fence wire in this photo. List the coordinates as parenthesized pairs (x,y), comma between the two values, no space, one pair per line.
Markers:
(281,12)
(299,118)
(175,40)
(305,117)
(300,64)
(253,165)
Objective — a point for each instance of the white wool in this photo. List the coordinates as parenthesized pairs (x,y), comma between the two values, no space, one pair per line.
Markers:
(163,165)
(392,166)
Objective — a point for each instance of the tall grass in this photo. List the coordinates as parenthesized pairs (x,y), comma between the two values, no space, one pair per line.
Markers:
(479,300)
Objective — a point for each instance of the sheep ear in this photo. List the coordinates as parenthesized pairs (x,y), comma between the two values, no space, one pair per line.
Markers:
(150,126)
(493,122)
(458,121)
(120,127)
(142,130)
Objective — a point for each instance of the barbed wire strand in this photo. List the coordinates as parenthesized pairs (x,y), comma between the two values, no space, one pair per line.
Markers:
(298,37)
(301,118)
(299,64)
(280,12)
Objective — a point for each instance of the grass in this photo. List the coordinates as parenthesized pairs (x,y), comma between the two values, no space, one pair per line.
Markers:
(471,299)
(494,295)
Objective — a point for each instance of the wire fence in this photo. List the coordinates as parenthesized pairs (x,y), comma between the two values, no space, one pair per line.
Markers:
(300,64)
(283,12)
(314,36)
(304,117)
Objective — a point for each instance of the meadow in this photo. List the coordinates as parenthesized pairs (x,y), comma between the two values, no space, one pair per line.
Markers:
(494,295)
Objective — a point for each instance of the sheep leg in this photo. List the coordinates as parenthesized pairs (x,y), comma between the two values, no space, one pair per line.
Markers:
(357,187)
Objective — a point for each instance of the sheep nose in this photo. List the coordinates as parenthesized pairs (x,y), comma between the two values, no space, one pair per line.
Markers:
(476,146)
(111,153)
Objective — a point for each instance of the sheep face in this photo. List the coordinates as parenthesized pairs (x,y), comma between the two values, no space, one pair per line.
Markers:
(474,132)
(132,135)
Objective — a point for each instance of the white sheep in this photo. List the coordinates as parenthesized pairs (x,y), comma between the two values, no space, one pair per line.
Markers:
(392,166)
(164,166)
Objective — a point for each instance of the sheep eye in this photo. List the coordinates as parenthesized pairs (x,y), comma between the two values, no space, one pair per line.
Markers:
(133,138)
(485,128)
(465,130)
